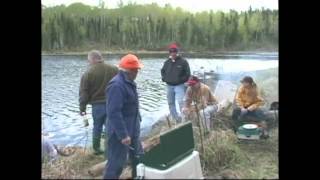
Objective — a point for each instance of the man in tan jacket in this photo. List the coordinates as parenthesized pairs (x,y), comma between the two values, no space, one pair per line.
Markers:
(199,97)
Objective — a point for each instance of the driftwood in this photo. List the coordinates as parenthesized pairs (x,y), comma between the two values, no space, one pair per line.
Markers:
(150,143)
(126,173)
(97,169)
(147,145)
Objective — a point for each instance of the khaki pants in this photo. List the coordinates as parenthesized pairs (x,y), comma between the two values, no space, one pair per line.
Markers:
(205,115)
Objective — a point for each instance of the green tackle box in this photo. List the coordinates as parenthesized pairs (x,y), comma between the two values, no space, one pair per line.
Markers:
(174,146)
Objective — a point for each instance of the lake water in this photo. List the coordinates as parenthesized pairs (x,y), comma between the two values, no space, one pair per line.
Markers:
(60,87)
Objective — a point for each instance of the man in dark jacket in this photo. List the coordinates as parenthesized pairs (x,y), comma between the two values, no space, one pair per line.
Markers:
(123,126)
(92,86)
(175,72)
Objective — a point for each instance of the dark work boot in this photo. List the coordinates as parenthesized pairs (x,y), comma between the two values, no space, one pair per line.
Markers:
(96,146)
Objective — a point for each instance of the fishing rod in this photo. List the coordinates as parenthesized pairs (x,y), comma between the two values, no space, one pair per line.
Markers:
(198,122)
(204,117)
(197,110)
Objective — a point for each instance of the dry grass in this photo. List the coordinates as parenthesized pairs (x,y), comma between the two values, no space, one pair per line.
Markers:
(227,157)
(71,167)
(224,157)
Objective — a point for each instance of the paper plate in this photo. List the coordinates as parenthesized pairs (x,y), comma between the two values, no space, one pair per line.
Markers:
(250,126)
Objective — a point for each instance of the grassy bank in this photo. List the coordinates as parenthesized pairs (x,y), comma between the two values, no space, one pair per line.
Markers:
(72,167)
(224,155)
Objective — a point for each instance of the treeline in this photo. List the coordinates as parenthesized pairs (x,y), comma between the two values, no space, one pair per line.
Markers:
(151,27)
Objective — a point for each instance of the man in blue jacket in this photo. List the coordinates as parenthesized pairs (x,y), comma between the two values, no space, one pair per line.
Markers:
(123,126)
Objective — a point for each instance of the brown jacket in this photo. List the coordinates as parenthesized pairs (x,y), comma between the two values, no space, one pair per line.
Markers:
(202,97)
(94,82)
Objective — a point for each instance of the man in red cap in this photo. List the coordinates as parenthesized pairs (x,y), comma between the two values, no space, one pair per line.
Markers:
(123,126)
(175,72)
(200,94)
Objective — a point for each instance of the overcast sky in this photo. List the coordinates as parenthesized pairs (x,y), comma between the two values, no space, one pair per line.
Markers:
(189,5)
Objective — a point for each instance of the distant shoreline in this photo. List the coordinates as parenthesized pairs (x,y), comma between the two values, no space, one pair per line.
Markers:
(144,52)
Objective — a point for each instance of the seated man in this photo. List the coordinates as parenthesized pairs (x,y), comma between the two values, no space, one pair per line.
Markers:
(248,102)
(200,94)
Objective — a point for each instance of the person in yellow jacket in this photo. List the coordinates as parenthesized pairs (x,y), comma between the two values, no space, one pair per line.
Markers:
(248,103)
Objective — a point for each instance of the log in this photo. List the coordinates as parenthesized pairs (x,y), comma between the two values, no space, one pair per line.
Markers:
(150,143)
(147,145)
(97,169)
(126,173)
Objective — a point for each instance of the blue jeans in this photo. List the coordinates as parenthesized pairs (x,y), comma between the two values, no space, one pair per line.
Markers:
(175,93)
(118,154)
(258,114)
(99,115)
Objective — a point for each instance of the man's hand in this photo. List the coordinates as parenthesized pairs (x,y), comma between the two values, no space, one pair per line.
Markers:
(126,141)
(251,108)
(244,111)
(85,118)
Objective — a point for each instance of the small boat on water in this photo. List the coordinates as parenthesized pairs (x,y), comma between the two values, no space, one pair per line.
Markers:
(209,78)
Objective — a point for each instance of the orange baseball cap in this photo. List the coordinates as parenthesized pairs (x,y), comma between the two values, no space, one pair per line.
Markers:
(130,61)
